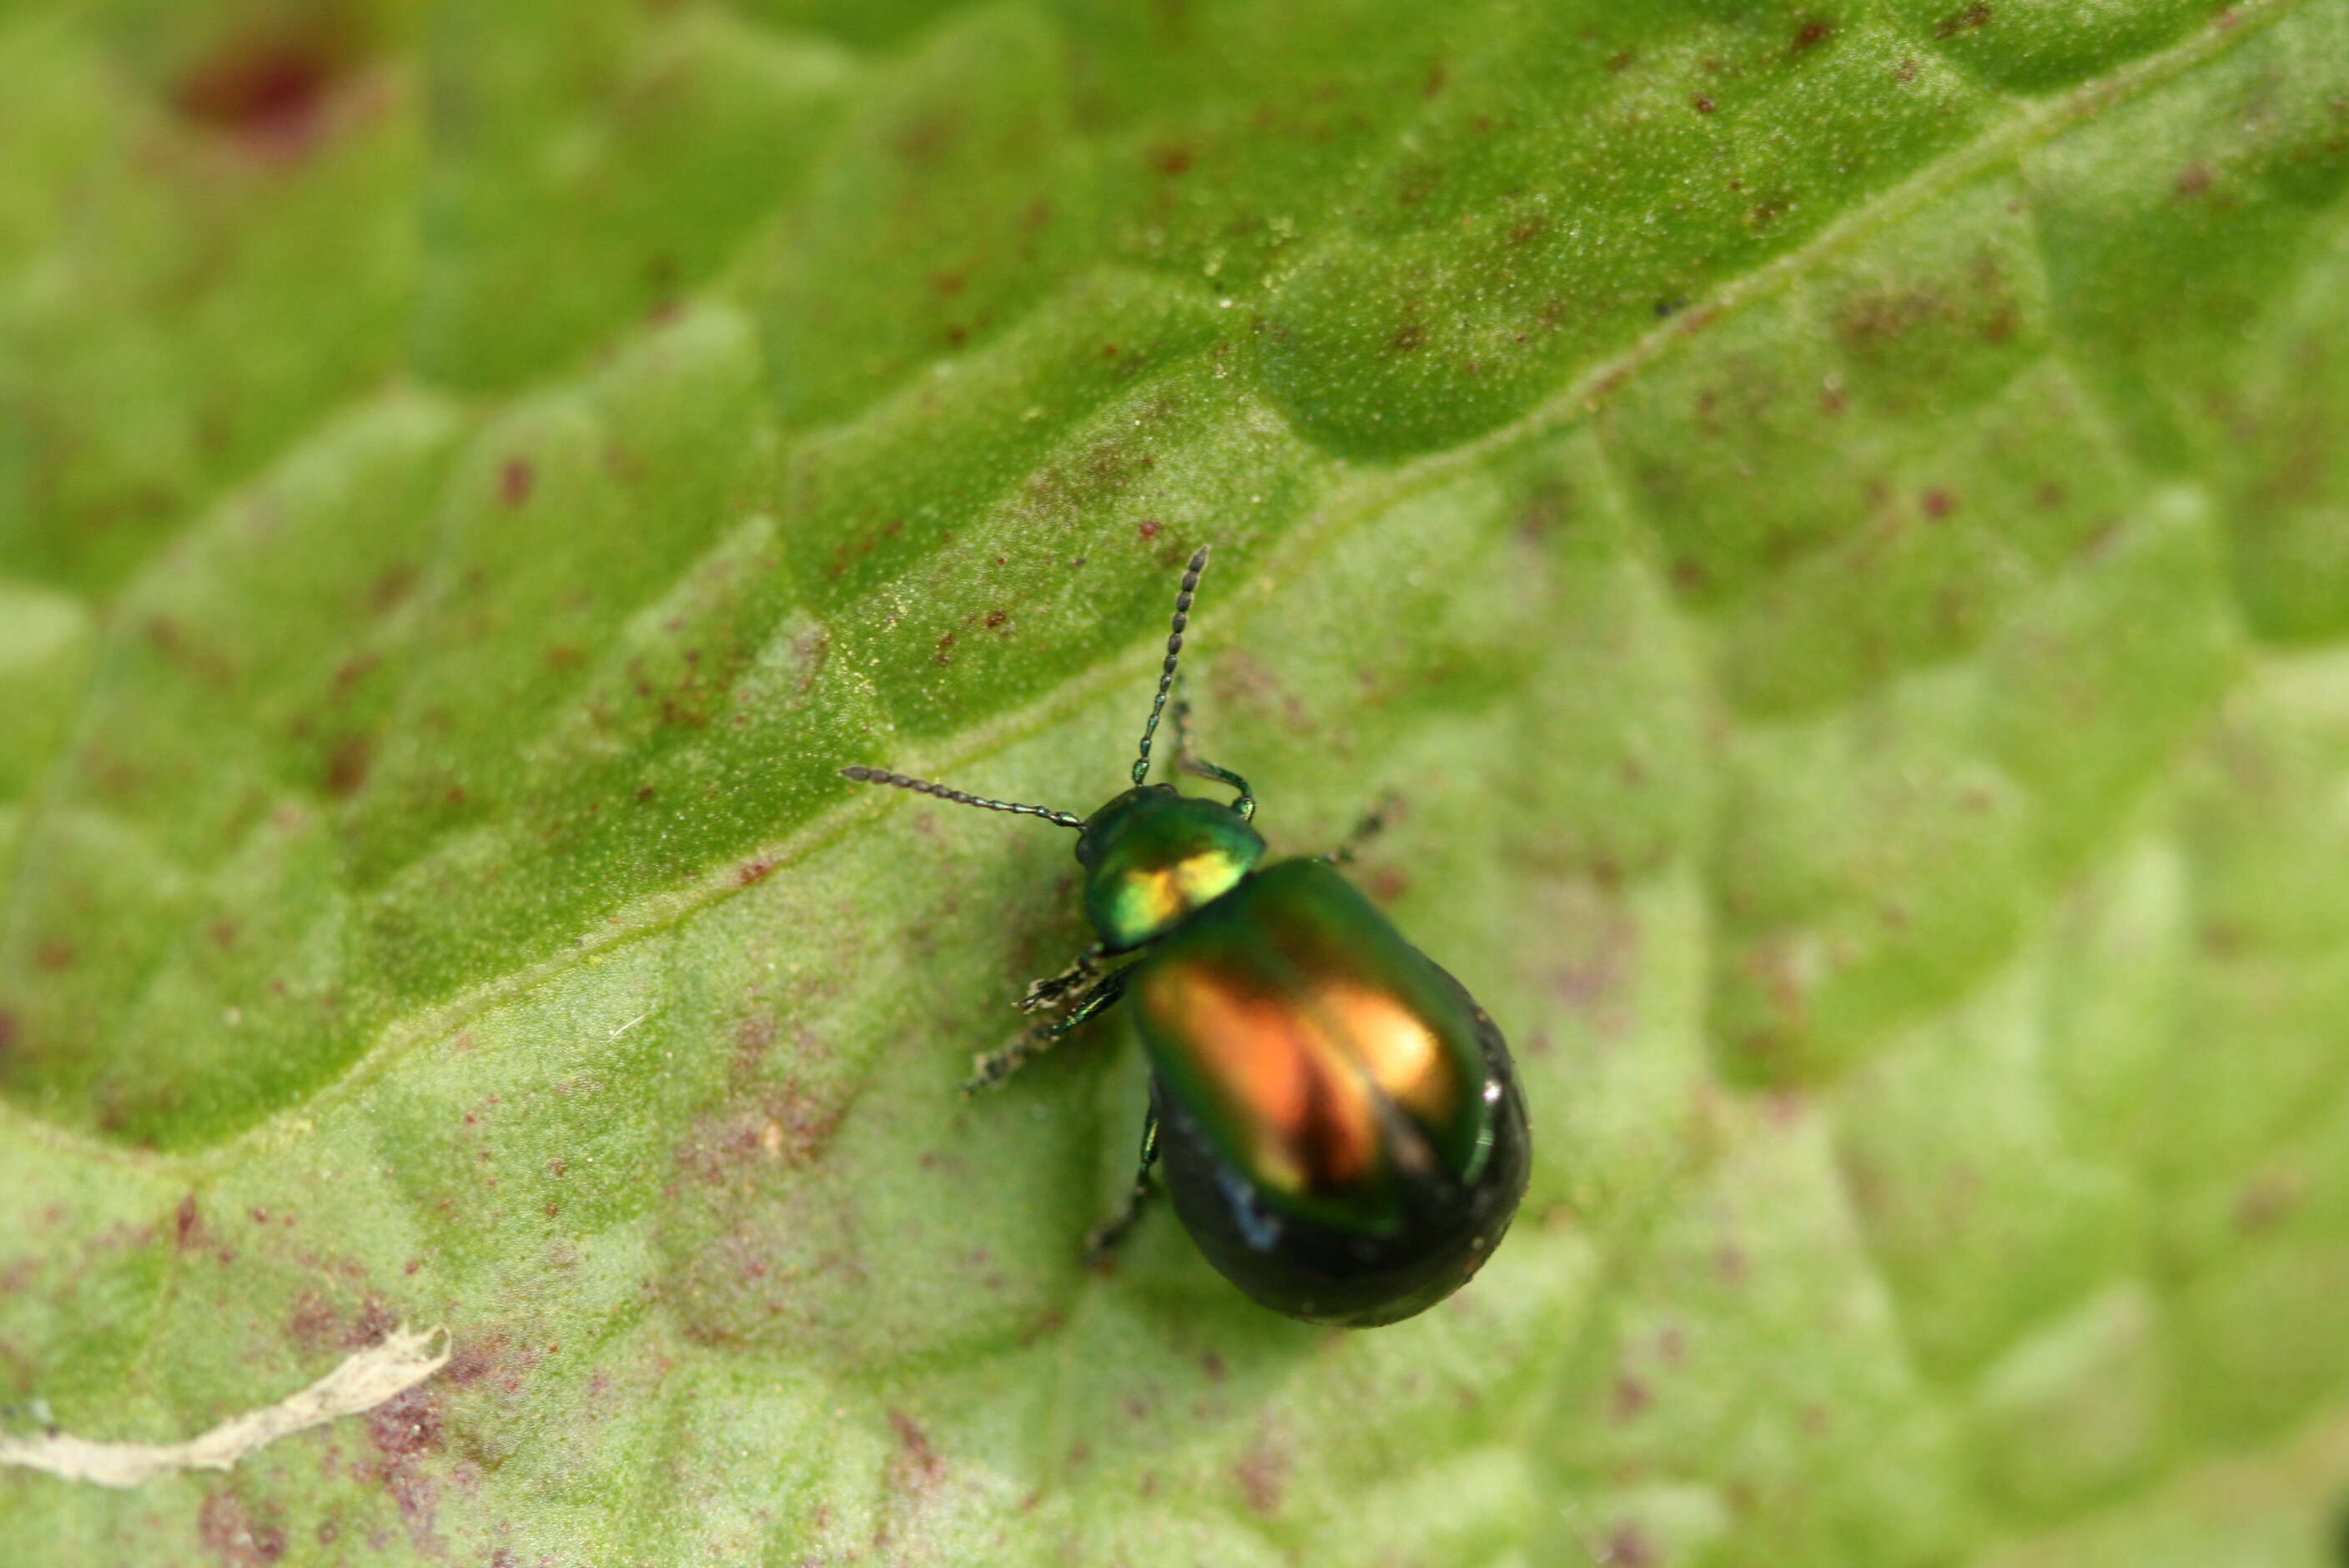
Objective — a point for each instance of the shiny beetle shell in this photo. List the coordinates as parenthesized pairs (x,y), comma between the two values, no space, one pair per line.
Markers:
(1344,1135)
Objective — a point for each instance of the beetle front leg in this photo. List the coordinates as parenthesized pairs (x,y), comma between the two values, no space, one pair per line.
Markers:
(993,1066)
(1106,1237)
(1053,990)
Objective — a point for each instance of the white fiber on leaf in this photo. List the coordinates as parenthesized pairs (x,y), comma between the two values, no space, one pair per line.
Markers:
(393,1365)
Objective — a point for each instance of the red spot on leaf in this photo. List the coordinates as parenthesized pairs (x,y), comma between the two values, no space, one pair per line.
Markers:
(267,93)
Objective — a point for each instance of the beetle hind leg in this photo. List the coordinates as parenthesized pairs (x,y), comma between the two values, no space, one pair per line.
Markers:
(1102,1241)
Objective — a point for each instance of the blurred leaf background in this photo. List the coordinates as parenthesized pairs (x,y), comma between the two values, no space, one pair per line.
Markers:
(1830,516)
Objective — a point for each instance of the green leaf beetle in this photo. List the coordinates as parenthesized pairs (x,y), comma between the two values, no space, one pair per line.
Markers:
(1339,1123)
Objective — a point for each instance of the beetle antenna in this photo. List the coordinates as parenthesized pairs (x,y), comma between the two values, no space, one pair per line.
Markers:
(1173,651)
(924,787)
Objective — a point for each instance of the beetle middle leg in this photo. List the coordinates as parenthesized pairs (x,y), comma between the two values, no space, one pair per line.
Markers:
(1191,761)
(1102,1242)
(993,1066)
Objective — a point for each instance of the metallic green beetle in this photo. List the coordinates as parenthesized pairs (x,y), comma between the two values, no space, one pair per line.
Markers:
(1340,1122)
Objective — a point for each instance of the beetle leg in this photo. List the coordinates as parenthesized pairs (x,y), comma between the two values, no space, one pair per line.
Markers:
(1191,761)
(1105,1237)
(993,1066)
(1055,989)
(1369,828)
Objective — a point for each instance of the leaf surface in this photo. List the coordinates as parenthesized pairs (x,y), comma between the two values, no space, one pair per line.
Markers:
(1829,519)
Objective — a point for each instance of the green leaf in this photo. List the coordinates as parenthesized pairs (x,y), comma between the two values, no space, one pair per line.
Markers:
(1829,518)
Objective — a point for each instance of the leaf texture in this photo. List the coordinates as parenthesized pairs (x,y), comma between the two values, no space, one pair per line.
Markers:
(1829,516)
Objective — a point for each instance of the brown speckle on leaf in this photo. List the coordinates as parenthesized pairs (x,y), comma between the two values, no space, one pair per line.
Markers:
(1870,321)
(188,1226)
(348,764)
(1965,21)
(269,94)
(1263,1475)
(917,1467)
(354,669)
(516,478)
(1627,1547)
(404,1425)
(230,1532)
(388,591)
(2267,1201)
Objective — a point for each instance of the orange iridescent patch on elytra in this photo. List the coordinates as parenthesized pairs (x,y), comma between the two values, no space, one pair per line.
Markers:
(1394,1048)
(1301,1085)
(1329,1062)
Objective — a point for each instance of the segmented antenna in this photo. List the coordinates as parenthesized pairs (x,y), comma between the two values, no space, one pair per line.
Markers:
(924,787)
(1173,651)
